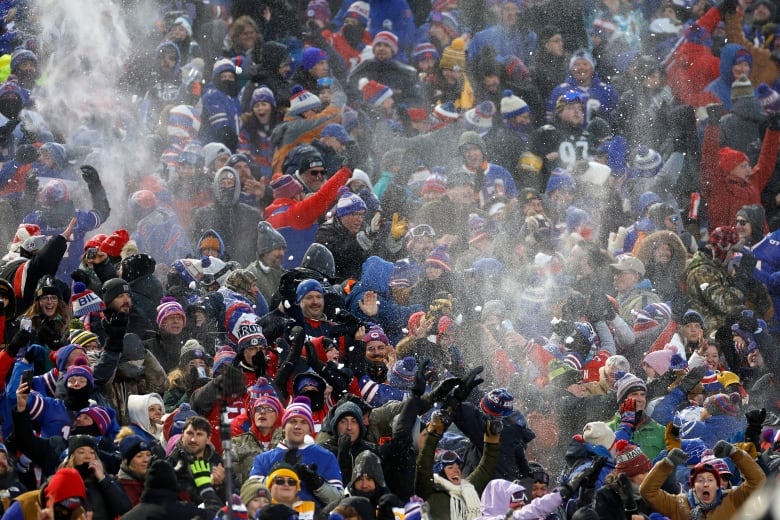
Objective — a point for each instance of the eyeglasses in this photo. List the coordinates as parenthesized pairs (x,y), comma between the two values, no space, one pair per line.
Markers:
(316,173)
(47,299)
(518,497)
(285,481)
(741,222)
(423,230)
(265,409)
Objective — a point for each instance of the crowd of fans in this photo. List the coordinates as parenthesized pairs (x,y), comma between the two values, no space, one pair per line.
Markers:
(392,259)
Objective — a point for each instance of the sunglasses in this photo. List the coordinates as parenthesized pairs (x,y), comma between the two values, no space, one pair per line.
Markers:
(741,222)
(285,481)
(316,173)
(518,497)
(70,504)
(423,230)
(326,82)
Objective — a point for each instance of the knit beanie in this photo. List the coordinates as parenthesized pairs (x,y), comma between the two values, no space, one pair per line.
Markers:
(299,407)
(424,51)
(348,203)
(703,467)
(84,301)
(599,434)
(113,288)
(576,217)
(581,54)
(768,97)
(741,88)
(376,333)
(169,307)
(446,112)
(81,441)
(374,93)
(402,374)
(268,238)
(222,65)
(388,38)
(646,162)
(435,183)
(729,158)
(253,488)
(440,258)
(223,357)
(263,93)
(183,122)
(99,416)
(480,118)
(659,360)
(319,10)
(512,106)
(448,21)
(192,349)
(80,338)
(312,56)
(286,187)
(477,228)
(722,404)
(726,379)
(743,56)
(691,316)
(269,400)
(64,484)
(113,244)
(131,446)
(497,403)
(630,459)
(454,56)
(307,286)
(359,11)
(161,475)
(282,469)
(560,179)
(627,384)
(80,368)
(301,100)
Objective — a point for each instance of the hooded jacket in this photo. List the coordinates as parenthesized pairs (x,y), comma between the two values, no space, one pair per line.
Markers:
(721,86)
(496,497)
(138,410)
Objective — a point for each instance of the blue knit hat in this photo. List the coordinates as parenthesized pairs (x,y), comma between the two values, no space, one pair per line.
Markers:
(402,374)
(575,217)
(497,402)
(512,106)
(439,258)
(560,179)
(348,203)
(263,93)
(307,286)
(646,162)
(223,65)
(312,56)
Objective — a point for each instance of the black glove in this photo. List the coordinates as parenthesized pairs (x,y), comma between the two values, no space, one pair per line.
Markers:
(386,503)
(419,378)
(115,325)
(80,276)
(677,457)
(565,491)
(90,175)
(48,336)
(602,307)
(313,34)
(345,441)
(723,449)
(773,121)
(296,339)
(311,356)
(626,493)
(590,476)
(309,476)
(692,378)
(194,380)
(748,324)
(231,383)
(466,386)
(292,457)
(31,183)
(26,154)
(259,363)
(755,422)
(20,339)
(714,113)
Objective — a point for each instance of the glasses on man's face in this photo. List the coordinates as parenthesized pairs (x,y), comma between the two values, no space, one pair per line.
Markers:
(285,481)
(265,409)
(740,222)
(316,173)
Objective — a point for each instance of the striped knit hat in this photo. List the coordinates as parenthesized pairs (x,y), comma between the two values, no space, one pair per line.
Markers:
(439,258)
(300,407)
(85,301)
(169,307)
(301,100)
(374,93)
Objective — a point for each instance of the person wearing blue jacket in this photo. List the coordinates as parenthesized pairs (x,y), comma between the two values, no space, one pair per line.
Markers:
(374,285)
(221,106)
(598,98)
(507,37)
(735,60)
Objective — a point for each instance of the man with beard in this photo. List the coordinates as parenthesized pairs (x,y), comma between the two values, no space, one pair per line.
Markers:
(56,209)
(221,106)
(231,219)
(353,37)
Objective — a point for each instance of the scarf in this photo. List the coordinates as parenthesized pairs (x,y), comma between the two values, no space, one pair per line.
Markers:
(464,500)
(699,508)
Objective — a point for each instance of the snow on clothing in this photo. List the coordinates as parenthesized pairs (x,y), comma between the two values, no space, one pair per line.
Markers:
(764,69)
(721,86)
(327,467)
(636,298)
(496,498)
(507,42)
(220,117)
(297,220)
(711,289)
(723,193)
(160,235)
(375,276)
(297,130)
(604,97)
(741,129)
(680,506)
(347,252)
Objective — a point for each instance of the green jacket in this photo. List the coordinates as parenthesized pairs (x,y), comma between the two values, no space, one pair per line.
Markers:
(649,435)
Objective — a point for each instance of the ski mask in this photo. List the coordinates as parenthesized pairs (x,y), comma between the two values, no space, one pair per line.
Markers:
(77,399)
(10,106)
(353,34)
(228,86)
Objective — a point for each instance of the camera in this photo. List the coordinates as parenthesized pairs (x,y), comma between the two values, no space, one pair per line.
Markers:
(444,416)
(92,253)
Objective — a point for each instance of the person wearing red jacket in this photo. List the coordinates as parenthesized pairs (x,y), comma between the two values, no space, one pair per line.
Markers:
(728,181)
(297,218)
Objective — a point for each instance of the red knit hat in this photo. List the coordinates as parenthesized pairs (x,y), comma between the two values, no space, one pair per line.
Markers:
(113,244)
(730,158)
(630,459)
(66,483)
(95,241)
(704,467)
(374,93)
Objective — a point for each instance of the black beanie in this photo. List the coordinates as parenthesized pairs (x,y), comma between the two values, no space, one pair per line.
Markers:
(113,288)
(161,476)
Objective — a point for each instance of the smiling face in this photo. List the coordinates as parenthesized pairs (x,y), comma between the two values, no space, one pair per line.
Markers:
(376,351)
(353,222)
(313,305)
(194,441)
(452,473)
(295,431)
(47,305)
(140,463)
(582,71)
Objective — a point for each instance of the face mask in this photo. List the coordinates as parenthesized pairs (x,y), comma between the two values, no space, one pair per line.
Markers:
(77,399)
(92,429)
(26,76)
(228,87)
(226,196)
(10,106)
(353,34)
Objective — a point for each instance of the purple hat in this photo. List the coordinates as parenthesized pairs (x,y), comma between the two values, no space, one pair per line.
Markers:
(286,187)
(768,97)
(300,407)
(263,93)
(439,258)
(402,374)
(169,307)
(337,131)
(312,56)
(99,416)
(376,333)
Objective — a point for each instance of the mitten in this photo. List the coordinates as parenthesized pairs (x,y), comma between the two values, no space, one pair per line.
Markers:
(115,325)
(309,476)
(676,457)
(672,437)
(692,378)
(90,175)
(722,449)
(399,227)
(461,393)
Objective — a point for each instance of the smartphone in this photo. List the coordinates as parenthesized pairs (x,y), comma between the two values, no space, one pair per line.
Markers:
(27,378)
(92,253)
(26,324)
